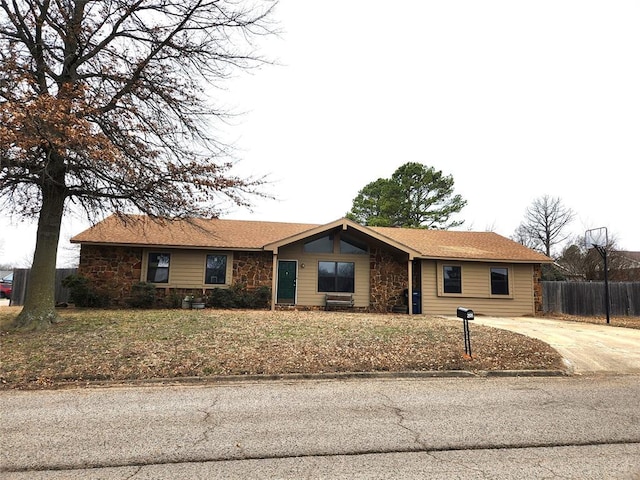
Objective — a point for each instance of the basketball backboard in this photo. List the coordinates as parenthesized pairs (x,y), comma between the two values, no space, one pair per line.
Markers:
(596,237)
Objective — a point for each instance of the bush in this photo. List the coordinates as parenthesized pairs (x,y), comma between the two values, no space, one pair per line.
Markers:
(260,298)
(222,298)
(173,300)
(81,294)
(239,296)
(143,295)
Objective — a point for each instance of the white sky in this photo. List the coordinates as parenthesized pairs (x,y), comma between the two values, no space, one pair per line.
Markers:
(514,99)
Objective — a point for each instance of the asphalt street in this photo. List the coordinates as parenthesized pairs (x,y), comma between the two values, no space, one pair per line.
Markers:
(574,427)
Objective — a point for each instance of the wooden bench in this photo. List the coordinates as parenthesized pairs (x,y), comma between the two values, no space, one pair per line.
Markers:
(338,300)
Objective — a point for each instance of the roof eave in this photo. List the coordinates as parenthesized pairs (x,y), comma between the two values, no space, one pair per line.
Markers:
(485,260)
(171,246)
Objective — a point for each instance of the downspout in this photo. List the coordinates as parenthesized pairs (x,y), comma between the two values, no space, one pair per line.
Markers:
(274,280)
(410,285)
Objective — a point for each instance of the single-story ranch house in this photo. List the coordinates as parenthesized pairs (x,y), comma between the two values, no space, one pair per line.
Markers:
(372,268)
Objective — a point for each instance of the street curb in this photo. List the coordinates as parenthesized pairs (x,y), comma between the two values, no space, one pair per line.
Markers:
(526,373)
(364,375)
(293,377)
(321,376)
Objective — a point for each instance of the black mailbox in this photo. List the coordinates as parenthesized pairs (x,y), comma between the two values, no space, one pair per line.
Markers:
(465,313)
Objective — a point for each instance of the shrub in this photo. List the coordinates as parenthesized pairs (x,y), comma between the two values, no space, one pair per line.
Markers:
(143,295)
(173,300)
(81,294)
(222,298)
(260,297)
(239,296)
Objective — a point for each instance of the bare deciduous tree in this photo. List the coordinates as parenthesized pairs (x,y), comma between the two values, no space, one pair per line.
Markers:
(544,224)
(103,103)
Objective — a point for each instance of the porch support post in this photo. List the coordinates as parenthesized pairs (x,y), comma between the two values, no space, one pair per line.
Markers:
(274,280)
(410,285)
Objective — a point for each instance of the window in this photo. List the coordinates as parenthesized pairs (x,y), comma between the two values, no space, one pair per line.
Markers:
(216,271)
(158,268)
(336,277)
(320,245)
(499,281)
(349,245)
(452,276)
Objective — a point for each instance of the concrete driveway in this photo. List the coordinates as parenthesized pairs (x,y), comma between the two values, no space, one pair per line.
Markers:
(586,348)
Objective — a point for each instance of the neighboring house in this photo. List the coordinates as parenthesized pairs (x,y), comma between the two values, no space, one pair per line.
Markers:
(624,266)
(301,263)
(628,266)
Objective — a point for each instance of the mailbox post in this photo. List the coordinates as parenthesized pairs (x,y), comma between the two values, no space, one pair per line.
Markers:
(466,314)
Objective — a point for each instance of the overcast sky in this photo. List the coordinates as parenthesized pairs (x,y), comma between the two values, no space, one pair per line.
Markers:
(514,99)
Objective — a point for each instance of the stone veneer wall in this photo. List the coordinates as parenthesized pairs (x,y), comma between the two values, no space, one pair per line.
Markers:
(388,280)
(537,290)
(254,269)
(111,270)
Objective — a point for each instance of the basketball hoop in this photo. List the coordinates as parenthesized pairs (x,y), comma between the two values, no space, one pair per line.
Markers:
(596,237)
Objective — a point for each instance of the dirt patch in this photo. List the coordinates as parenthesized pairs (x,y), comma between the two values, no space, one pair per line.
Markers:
(127,345)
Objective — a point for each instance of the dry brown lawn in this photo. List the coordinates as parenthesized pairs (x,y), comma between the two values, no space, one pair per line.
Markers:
(616,321)
(92,346)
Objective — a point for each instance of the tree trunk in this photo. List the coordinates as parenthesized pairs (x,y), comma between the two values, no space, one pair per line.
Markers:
(39,306)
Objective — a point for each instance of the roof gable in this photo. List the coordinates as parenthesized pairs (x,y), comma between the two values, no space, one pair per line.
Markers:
(344,224)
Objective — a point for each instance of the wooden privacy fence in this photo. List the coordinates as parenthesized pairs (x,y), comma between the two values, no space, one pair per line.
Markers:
(588,298)
(21,282)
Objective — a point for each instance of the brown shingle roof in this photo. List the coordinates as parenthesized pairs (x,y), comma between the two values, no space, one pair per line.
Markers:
(449,244)
(633,257)
(204,233)
(254,235)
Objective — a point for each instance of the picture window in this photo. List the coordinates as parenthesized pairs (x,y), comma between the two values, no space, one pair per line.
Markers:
(336,277)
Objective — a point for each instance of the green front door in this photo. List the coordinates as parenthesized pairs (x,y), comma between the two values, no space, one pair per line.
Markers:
(286,281)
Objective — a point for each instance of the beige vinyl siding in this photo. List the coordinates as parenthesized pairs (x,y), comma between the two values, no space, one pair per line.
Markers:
(187,268)
(307,280)
(476,290)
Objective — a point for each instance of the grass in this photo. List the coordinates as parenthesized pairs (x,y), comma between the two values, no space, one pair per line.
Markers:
(616,321)
(130,345)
